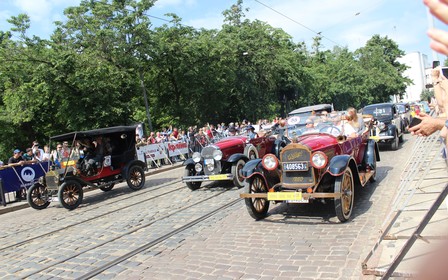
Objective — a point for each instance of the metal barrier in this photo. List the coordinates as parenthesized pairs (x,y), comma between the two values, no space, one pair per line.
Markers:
(425,154)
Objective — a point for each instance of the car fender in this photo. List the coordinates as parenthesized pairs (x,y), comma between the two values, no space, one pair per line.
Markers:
(251,167)
(188,162)
(255,168)
(77,179)
(392,130)
(140,163)
(236,157)
(278,144)
(339,163)
(372,149)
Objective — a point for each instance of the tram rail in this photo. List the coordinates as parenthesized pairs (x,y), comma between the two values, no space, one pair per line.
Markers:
(141,248)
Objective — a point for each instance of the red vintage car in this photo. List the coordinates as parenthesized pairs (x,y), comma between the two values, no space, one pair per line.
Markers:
(224,159)
(320,163)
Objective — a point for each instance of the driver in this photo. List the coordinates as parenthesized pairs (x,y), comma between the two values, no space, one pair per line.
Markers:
(309,127)
(94,152)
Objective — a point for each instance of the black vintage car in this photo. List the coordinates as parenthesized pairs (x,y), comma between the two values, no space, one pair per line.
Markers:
(388,127)
(69,174)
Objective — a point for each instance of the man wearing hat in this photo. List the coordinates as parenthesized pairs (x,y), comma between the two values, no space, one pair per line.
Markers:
(251,132)
(231,131)
(16,157)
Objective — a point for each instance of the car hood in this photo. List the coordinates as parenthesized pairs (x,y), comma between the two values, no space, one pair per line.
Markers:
(317,141)
(230,142)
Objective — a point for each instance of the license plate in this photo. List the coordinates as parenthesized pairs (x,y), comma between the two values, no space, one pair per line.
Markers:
(67,163)
(209,161)
(285,196)
(295,166)
(218,177)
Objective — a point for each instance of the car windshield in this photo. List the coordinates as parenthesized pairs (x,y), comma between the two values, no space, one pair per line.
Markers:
(378,112)
(401,109)
(301,125)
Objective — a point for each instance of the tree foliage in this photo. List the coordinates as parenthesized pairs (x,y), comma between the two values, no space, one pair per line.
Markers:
(97,64)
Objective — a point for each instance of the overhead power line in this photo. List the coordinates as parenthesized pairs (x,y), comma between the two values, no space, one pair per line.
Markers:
(295,21)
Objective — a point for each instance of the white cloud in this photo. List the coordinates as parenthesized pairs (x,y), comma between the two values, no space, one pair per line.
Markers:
(37,9)
(170,3)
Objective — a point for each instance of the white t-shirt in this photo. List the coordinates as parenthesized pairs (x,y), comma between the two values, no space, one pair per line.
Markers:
(347,129)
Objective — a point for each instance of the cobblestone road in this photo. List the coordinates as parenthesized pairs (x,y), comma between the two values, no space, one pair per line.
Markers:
(293,242)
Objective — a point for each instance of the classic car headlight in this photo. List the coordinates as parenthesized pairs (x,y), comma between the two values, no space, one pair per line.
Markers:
(196,157)
(269,162)
(41,180)
(319,160)
(217,154)
(381,125)
(198,167)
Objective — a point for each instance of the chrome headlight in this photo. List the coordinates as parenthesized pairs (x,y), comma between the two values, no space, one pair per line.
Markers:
(198,167)
(270,162)
(319,160)
(217,154)
(196,157)
(41,180)
(381,125)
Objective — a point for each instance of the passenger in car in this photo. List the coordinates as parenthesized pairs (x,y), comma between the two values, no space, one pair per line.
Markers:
(344,125)
(355,120)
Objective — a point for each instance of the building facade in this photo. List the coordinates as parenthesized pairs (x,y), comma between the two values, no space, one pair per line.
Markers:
(419,72)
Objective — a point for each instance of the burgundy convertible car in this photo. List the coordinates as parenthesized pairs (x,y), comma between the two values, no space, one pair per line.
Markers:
(225,159)
(318,164)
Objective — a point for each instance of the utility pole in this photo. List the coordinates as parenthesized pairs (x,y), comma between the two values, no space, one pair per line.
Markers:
(148,115)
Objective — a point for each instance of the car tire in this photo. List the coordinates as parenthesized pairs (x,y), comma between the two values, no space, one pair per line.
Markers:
(107,188)
(344,185)
(70,194)
(135,177)
(395,143)
(189,171)
(257,207)
(37,197)
(237,167)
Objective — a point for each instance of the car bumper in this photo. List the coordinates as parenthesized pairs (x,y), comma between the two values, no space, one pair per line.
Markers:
(202,178)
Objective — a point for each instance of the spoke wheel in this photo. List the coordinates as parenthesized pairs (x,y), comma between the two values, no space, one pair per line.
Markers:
(344,185)
(189,171)
(237,168)
(257,207)
(70,194)
(136,177)
(37,197)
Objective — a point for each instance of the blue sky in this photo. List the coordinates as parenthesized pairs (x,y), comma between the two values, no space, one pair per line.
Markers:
(344,22)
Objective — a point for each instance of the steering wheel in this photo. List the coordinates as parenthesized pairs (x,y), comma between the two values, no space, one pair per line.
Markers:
(330,129)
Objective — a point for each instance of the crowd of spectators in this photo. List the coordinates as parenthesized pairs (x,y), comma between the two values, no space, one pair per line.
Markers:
(200,136)
(196,137)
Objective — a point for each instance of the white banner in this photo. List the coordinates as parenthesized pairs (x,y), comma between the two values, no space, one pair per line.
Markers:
(154,151)
(176,148)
